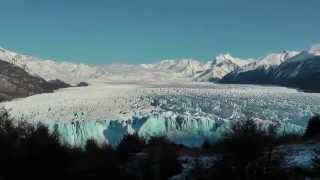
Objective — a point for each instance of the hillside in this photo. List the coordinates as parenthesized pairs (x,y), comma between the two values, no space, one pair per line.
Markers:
(15,82)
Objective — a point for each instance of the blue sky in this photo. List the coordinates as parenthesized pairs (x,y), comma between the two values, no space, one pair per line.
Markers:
(143,31)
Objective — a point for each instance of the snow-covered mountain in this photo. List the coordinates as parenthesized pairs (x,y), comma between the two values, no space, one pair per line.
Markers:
(258,71)
(284,68)
(292,69)
(186,67)
(170,69)
(15,82)
(49,69)
(313,51)
(219,67)
(301,71)
(72,73)
(269,61)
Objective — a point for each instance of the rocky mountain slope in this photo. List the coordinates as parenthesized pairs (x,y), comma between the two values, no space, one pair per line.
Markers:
(48,69)
(292,69)
(257,72)
(16,82)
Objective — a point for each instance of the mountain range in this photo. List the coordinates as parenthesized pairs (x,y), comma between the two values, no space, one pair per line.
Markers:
(292,69)
(165,70)
(287,68)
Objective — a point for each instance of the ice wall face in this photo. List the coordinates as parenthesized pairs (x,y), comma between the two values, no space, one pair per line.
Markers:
(191,132)
(181,130)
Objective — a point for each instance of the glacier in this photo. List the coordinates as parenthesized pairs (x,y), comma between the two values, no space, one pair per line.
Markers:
(185,113)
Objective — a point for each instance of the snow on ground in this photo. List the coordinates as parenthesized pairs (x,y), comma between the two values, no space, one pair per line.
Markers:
(187,113)
(299,155)
(188,163)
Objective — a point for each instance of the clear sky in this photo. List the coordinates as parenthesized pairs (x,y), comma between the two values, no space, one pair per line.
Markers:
(143,31)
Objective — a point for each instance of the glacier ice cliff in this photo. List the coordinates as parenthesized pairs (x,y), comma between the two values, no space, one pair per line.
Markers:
(181,130)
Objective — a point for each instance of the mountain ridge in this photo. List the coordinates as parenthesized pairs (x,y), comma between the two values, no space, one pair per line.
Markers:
(177,69)
(273,68)
(15,82)
(297,70)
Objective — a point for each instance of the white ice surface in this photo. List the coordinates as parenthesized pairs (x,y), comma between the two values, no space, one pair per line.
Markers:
(187,113)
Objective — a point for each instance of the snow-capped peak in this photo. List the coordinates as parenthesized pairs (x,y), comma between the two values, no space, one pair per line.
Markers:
(185,67)
(307,54)
(315,50)
(14,58)
(270,60)
(222,57)
(220,66)
(6,54)
(227,57)
(48,69)
(176,69)
(275,59)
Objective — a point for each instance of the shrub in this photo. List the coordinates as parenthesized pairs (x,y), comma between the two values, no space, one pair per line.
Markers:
(199,171)
(245,143)
(130,144)
(206,145)
(96,162)
(313,127)
(163,158)
(247,140)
